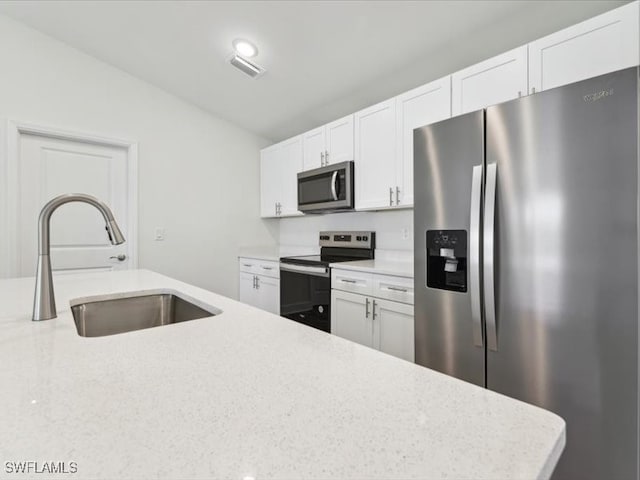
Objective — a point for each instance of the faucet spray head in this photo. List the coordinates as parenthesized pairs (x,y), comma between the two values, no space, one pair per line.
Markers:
(115,235)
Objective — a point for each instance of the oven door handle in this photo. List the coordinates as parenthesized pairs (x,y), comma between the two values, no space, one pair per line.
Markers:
(307,269)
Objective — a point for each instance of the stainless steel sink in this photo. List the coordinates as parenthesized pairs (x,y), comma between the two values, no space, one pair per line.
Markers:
(97,318)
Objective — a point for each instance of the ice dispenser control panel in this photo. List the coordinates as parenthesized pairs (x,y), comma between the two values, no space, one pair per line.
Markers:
(447,260)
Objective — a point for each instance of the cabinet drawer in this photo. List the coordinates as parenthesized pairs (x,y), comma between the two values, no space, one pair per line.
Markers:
(398,289)
(260,267)
(350,281)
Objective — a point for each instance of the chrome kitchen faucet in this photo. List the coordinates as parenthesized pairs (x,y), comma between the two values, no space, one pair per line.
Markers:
(44,304)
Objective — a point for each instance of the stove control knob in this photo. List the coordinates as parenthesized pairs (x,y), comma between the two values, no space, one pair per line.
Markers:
(365,238)
(359,238)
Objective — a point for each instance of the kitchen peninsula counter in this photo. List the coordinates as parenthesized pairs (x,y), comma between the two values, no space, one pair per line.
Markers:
(243,394)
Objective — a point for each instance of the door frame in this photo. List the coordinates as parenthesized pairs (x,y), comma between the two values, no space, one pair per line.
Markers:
(9,167)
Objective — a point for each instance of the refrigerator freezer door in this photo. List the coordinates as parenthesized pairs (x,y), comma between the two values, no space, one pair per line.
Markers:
(448,338)
(566,265)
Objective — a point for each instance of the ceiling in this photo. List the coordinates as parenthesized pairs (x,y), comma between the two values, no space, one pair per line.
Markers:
(324,59)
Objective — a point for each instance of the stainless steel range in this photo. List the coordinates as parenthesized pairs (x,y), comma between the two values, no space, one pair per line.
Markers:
(305,281)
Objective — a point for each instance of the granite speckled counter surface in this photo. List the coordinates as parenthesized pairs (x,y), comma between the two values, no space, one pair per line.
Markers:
(243,394)
(378,266)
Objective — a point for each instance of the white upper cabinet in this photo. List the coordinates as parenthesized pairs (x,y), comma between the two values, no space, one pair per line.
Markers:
(331,143)
(291,165)
(375,156)
(495,80)
(313,148)
(269,181)
(339,140)
(602,44)
(279,166)
(416,108)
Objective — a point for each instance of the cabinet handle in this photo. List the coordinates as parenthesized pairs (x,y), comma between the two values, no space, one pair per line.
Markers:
(374,309)
(326,157)
(257,283)
(322,159)
(533,89)
(346,280)
(247,264)
(266,268)
(366,308)
(390,197)
(254,282)
(397,196)
(396,289)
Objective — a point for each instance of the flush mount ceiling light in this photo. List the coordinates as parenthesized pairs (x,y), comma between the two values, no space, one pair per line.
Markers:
(244,48)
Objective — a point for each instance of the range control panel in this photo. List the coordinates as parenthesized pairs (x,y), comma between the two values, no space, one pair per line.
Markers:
(356,239)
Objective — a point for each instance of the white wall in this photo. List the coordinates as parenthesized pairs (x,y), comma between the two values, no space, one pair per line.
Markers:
(198,174)
(394,228)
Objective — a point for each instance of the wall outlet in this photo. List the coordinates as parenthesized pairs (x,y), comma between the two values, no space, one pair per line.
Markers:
(159,236)
(405,234)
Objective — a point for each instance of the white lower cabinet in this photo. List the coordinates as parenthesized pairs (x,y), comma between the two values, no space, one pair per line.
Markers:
(260,284)
(350,317)
(378,323)
(393,328)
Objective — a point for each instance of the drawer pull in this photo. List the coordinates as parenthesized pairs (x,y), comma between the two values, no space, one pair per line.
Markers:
(346,280)
(396,289)
(247,265)
(266,268)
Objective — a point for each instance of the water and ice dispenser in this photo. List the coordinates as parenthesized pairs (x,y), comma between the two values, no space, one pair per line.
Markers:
(447,260)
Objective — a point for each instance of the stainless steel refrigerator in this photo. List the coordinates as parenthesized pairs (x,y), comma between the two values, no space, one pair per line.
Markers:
(526,260)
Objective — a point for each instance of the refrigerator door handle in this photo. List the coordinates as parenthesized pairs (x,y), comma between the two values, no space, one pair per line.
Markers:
(474,254)
(488,257)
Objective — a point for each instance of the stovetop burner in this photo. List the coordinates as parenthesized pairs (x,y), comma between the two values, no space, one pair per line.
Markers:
(338,247)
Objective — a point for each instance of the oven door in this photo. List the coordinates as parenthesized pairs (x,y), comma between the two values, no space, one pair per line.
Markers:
(326,188)
(305,295)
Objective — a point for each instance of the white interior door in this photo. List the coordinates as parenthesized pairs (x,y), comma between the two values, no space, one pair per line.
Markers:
(48,167)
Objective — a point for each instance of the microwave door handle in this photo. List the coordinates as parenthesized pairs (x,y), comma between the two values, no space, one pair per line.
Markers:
(334,181)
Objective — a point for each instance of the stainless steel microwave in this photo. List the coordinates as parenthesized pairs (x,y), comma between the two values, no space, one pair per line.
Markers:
(326,189)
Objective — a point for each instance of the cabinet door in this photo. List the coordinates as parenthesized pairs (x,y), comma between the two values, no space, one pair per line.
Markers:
(269,294)
(375,156)
(393,328)
(313,148)
(493,81)
(594,47)
(416,108)
(291,164)
(269,181)
(349,317)
(339,140)
(248,293)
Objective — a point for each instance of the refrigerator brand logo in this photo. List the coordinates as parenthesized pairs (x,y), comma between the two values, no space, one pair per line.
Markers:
(593,97)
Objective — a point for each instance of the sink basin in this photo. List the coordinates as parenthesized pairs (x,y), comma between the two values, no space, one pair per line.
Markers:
(97,318)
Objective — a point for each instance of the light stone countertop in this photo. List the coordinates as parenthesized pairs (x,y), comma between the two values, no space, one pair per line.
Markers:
(379,266)
(243,394)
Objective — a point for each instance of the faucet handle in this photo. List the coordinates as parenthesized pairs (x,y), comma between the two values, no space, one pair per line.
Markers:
(122,257)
